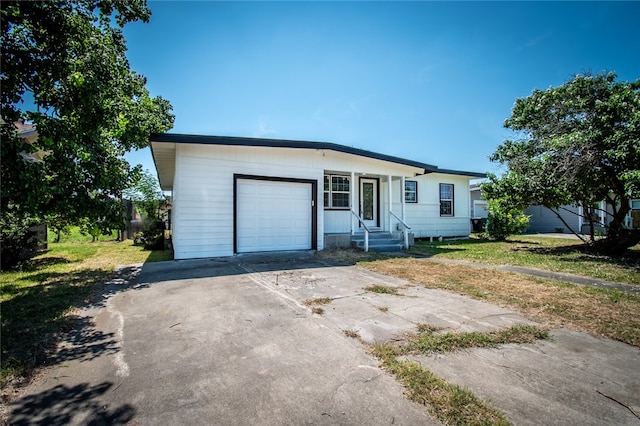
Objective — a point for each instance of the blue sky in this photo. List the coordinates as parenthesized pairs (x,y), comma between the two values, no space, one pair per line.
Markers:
(429,81)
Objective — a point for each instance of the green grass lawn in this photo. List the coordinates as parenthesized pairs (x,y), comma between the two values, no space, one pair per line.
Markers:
(552,254)
(39,297)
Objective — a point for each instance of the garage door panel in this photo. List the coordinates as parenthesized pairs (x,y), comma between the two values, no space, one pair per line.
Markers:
(273,215)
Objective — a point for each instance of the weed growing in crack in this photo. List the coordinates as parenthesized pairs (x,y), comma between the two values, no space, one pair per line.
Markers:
(352,333)
(317,301)
(383,289)
(451,403)
(429,341)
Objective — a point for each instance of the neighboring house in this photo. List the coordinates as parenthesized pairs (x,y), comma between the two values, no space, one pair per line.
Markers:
(544,220)
(633,218)
(478,203)
(29,134)
(234,195)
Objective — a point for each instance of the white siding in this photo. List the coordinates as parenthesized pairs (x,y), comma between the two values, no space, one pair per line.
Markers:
(203,191)
(337,221)
(424,217)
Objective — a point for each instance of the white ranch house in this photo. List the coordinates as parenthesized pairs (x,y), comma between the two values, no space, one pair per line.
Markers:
(235,195)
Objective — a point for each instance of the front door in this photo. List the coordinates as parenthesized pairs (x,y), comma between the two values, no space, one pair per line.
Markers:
(369,201)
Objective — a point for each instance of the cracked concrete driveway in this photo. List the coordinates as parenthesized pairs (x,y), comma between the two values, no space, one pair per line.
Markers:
(229,341)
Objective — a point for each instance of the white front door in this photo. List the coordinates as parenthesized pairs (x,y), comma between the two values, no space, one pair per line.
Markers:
(369,201)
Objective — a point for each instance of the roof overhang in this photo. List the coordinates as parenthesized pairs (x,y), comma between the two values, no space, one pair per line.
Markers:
(164,157)
(163,149)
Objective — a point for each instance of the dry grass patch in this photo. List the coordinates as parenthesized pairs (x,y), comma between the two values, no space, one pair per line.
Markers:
(317,301)
(609,313)
(551,254)
(352,333)
(313,304)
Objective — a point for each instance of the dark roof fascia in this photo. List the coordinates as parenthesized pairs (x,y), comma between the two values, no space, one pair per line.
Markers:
(461,173)
(280,143)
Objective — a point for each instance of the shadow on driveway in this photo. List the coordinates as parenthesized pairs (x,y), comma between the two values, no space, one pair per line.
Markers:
(59,405)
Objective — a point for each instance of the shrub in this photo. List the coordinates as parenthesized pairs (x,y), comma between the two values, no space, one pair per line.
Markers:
(504,220)
(18,242)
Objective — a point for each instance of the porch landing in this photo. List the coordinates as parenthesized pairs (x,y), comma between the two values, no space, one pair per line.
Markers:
(379,241)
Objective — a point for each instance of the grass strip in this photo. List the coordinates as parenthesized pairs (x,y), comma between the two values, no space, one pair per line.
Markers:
(433,342)
(551,254)
(383,289)
(39,298)
(450,403)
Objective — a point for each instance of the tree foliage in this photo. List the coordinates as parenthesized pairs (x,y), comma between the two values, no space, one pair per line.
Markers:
(577,144)
(149,200)
(64,69)
(147,196)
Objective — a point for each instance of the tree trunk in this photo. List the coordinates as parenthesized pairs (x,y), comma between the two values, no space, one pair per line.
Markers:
(618,243)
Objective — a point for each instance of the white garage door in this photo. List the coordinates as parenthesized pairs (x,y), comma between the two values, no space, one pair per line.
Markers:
(273,215)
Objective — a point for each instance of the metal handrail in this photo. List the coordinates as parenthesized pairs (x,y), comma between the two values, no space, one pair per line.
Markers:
(401,221)
(405,230)
(366,230)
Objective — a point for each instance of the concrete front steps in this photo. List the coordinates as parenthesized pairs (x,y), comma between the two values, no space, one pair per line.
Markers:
(379,241)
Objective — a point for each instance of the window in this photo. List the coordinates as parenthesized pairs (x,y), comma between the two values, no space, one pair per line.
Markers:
(446,199)
(336,192)
(410,191)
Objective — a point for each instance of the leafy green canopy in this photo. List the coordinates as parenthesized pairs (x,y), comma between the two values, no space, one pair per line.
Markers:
(578,144)
(147,196)
(64,69)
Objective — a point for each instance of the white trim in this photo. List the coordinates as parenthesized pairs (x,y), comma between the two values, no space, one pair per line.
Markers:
(402,198)
(390,191)
(374,182)
(353,203)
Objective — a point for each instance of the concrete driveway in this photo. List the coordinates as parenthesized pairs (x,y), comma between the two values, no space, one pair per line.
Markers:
(229,342)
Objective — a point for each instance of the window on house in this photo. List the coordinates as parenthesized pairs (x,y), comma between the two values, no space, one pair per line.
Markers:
(446,199)
(336,192)
(410,191)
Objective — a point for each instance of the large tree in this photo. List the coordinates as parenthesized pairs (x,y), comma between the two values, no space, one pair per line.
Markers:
(64,70)
(576,144)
